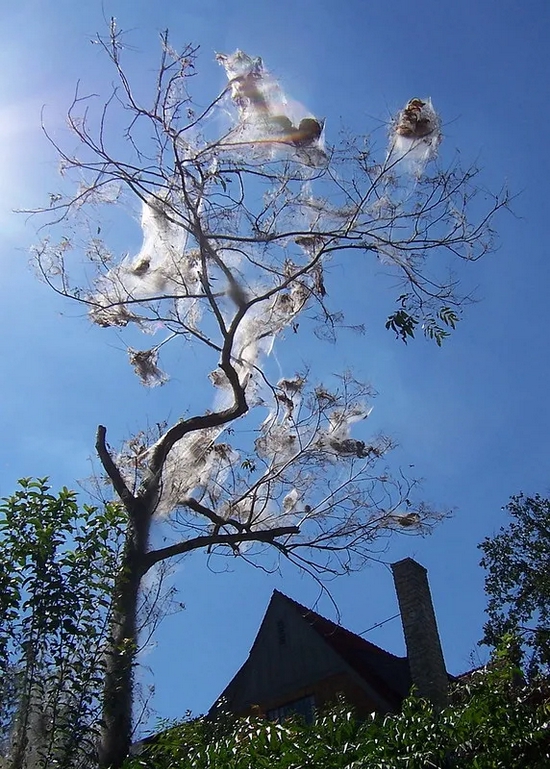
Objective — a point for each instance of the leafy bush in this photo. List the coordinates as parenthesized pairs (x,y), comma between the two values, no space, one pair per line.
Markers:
(493,721)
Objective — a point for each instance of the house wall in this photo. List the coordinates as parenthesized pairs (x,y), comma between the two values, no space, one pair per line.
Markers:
(325,691)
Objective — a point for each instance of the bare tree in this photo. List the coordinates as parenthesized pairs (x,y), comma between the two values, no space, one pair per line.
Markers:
(243,210)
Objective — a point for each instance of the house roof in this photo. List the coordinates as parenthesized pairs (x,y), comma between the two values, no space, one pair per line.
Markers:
(387,673)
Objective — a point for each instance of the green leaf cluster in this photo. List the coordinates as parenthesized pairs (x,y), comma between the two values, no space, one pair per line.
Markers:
(435,325)
(517,582)
(57,565)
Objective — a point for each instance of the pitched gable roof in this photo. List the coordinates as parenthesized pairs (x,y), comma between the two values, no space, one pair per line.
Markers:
(387,673)
(274,667)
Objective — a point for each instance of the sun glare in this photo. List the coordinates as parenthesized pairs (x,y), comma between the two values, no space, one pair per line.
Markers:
(19,148)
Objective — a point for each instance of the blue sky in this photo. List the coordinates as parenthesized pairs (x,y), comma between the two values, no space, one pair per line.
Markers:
(472,417)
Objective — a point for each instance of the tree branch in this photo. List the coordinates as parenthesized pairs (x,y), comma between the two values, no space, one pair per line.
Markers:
(268,536)
(112,470)
(216,519)
(177,431)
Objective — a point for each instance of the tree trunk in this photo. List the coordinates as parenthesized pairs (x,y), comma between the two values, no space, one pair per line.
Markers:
(116,728)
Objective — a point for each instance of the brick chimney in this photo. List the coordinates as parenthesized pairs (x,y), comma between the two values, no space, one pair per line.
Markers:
(426,661)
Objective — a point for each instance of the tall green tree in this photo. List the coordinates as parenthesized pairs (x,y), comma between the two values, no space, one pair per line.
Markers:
(57,571)
(245,214)
(517,583)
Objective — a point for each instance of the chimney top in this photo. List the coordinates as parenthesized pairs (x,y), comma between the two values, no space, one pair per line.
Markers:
(424,652)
